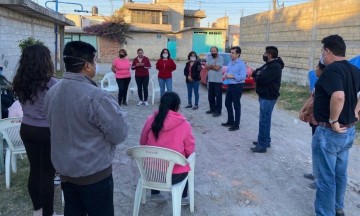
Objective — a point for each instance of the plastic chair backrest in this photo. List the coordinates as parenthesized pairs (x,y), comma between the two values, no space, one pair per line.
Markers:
(10,128)
(110,79)
(156,165)
(155,83)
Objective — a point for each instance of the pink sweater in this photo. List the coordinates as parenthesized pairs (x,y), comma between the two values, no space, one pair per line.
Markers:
(176,135)
(122,67)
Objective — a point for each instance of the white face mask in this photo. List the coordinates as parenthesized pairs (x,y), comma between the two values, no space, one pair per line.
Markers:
(192,58)
(96,69)
(321,59)
(165,55)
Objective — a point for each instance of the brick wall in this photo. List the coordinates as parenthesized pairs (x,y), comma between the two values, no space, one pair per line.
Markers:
(15,27)
(297,32)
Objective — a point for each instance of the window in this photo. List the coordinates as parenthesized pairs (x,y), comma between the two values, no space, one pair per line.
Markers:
(165,19)
(145,17)
(189,22)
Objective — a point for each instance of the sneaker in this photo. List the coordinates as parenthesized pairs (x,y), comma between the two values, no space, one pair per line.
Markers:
(185,201)
(195,108)
(340,212)
(57,214)
(309,176)
(140,103)
(146,103)
(188,106)
(57,179)
(158,198)
(38,212)
(312,185)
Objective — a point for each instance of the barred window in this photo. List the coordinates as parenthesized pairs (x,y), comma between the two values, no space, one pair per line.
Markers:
(145,17)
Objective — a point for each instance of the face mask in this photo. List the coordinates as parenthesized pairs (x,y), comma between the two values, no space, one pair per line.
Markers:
(122,55)
(214,55)
(321,59)
(140,56)
(165,55)
(265,58)
(96,69)
(192,58)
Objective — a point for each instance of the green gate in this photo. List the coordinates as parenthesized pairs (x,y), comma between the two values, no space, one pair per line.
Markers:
(171,45)
(204,40)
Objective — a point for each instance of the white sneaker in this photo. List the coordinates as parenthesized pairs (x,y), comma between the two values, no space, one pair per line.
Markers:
(38,212)
(140,103)
(146,103)
(57,179)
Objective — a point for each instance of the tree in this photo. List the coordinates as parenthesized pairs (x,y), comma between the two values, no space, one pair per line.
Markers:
(114,28)
(28,42)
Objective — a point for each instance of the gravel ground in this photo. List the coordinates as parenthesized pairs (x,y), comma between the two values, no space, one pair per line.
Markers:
(229,178)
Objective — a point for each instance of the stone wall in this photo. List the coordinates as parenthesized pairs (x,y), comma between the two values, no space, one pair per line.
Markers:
(297,32)
(15,27)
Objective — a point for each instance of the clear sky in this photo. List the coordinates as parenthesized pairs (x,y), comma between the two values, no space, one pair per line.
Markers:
(214,8)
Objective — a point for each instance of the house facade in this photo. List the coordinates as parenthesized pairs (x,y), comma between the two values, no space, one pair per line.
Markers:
(160,24)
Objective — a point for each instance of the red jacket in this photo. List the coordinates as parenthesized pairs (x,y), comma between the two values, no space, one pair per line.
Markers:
(141,71)
(165,68)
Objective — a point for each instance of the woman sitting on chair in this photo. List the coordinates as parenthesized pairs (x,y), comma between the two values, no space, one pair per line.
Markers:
(161,129)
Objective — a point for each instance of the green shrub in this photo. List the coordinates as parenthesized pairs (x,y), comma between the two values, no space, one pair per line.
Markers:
(28,42)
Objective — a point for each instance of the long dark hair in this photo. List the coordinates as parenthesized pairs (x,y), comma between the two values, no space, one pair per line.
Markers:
(169,101)
(162,51)
(35,71)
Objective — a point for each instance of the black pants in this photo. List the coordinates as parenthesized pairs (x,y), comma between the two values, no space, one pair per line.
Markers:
(176,178)
(123,85)
(215,97)
(232,103)
(142,84)
(41,177)
(92,200)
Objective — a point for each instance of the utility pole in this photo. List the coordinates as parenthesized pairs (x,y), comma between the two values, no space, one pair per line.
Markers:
(200,4)
(274,4)
(56,36)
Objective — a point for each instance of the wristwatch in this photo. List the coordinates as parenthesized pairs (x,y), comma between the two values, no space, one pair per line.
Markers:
(332,121)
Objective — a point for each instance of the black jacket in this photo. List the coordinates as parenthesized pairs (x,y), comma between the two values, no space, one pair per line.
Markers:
(195,70)
(268,79)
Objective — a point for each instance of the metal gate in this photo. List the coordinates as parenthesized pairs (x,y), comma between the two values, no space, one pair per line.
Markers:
(204,40)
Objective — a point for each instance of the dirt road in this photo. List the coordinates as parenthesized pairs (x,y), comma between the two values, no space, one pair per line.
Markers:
(230,180)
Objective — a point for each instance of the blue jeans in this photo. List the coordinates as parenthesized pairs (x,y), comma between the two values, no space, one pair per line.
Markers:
(266,108)
(94,199)
(330,155)
(162,83)
(194,85)
(233,95)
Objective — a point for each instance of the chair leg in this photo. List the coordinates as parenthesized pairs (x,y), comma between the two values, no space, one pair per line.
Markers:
(7,168)
(138,194)
(62,198)
(191,187)
(176,202)
(13,163)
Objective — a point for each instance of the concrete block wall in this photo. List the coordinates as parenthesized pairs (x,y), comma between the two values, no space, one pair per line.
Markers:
(151,43)
(297,32)
(14,27)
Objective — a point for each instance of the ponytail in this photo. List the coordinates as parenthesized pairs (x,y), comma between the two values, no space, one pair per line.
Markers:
(169,101)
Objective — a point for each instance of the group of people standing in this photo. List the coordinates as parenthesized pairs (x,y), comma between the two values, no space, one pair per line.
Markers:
(141,64)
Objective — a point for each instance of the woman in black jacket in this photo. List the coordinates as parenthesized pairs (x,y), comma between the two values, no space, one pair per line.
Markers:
(192,73)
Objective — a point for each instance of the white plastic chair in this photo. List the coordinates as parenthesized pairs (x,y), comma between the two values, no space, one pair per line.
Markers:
(10,129)
(108,83)
(155,88)
(132,87)
(156,165)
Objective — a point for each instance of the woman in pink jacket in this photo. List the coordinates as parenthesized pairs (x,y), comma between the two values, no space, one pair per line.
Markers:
(168,128)
(121,67)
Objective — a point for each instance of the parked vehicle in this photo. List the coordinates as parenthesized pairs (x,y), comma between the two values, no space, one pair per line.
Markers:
(249,81)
